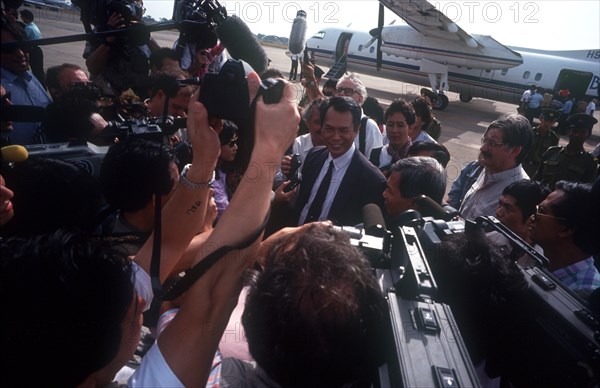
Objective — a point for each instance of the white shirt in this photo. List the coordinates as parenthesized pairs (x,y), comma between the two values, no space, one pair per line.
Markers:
(154,371)
(424,136)
(302,144)
(482,197)
(590,108)
(373,138)
(340,165)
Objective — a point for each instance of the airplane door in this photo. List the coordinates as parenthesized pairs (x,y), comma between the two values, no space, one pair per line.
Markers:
(576,81)
(343,44)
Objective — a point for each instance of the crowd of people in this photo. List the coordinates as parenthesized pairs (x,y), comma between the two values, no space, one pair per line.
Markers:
(86,259)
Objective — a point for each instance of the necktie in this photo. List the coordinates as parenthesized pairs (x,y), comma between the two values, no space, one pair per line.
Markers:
(317,205)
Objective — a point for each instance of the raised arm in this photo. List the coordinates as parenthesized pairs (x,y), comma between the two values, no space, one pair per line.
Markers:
(189,343)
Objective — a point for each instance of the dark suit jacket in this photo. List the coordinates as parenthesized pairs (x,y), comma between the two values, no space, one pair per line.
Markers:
(363,183)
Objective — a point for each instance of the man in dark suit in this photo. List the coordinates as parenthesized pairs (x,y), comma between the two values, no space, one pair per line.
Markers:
(337,180)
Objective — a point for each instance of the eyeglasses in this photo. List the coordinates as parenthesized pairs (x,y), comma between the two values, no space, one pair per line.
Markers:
(490,142)
(345,91)
(6,98)
(539,210)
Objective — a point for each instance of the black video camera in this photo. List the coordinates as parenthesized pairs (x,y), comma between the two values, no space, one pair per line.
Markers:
(153,129)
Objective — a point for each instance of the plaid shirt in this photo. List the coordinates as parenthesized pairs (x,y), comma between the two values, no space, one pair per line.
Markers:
(581,277)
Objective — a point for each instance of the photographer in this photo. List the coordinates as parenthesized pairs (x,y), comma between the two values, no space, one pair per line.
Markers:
(165,86)
(102,281)
(314,314)
(119,63)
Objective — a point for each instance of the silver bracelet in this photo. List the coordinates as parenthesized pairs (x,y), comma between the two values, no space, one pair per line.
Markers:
(183,179)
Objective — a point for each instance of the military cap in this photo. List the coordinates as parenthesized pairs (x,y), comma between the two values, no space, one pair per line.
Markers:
(432,96)
(550,114)
(581,120)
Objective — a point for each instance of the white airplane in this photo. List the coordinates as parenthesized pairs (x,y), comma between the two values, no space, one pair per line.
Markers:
(433,50)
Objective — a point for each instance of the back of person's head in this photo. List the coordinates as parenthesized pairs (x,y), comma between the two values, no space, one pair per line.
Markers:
(65,299)
(580,211)
(50,194)
(423,110)
(315,316)
(135,170)
(484,289)
(158,56)
(341,104)
(12,27)
(167,82)
(527,194)
(373,109)
(421,175)
(27,15)
(516,131)
(435,150)
(401,106)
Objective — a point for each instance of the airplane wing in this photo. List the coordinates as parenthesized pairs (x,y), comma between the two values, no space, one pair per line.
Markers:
(429,21)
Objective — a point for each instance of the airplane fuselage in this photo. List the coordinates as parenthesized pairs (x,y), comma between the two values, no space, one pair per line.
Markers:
(577,71)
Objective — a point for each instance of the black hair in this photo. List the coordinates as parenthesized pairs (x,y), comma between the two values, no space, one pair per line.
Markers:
(165,82)
(315,315)
(527,194)
(423,110)
(135,170)
(580,210)
(26,14)
(67,297)
(158,56)
(342,104)
(229,130)
(440,152)
(401,106)
(373,109)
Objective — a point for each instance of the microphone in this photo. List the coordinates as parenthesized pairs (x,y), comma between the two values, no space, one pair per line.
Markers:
(297,39)
(373,221)
(23,113)
(14,153)
(242,44)
(429,208)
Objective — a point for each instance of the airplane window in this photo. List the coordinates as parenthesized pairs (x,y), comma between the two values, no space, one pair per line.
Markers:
(504,71)
(372,49)
(360,47)
(526,75)
(319,35)
(538,76)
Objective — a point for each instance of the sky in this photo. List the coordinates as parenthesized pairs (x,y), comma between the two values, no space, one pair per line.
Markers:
(547,24)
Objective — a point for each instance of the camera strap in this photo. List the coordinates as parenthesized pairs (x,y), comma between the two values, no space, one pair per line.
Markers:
(151,316)
(193,274)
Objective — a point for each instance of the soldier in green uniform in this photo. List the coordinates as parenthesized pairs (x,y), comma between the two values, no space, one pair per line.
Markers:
(543,138)
(571,162)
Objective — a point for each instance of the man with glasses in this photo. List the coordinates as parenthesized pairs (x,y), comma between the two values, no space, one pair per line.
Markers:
(567,225)
(503,147)
(61,79)
(369,136)
(16,77)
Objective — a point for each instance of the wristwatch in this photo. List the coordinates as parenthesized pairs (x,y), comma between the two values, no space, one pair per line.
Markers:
(193,185)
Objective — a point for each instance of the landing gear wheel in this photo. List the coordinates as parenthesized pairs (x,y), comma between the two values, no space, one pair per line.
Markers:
(465,98)
(441,103)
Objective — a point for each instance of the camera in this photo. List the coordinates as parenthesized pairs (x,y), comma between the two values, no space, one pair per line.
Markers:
(225,94)
(153,129)
(552,336)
